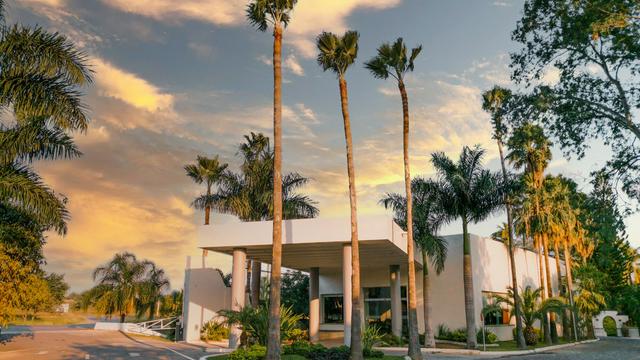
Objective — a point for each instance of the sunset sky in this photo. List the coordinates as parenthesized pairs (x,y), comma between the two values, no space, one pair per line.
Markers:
(178,79)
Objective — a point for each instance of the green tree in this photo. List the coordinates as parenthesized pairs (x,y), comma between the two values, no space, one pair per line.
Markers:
(295,292)
(151,290)
(589,298)
(57,288)
(392,60)
(260,14)
(427,221)
(595,47)
(248,194)
(337,53)
(22,235)
(207,171)
(471,193)
(493,101)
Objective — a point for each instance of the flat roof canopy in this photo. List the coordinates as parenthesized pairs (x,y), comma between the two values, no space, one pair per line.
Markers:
(312,242)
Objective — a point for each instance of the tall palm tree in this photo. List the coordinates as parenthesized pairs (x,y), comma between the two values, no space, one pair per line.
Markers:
(151,290)
(530,150)
(471,193)
(337,53)
(261,14)
(493,101)
(248,194)
(119,282)
(427,221)
(207,171)
(41,74)
(392,61)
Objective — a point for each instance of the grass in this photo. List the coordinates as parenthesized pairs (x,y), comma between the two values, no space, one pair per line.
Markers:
(46,318)
(298,357)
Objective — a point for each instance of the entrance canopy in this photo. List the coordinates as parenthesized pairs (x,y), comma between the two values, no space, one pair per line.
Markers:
(311,243)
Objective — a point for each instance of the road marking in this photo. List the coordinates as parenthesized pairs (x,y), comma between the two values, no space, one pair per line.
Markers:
(134,354)
(179,353)
(43,352)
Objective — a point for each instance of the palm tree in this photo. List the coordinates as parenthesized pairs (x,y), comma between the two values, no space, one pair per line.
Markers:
(248,194)
(530,150)
(337,53)
(392,60)
(207,171)
(40,78)
(261,13)
(119,283)
(493,101)
(427,221)
(469,192)
(151,290)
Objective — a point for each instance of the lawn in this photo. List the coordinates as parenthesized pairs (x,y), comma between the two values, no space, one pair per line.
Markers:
(46,318)
(511,345)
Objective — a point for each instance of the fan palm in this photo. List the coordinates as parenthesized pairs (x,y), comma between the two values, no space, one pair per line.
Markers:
(392,60)
(337,53)
(471,193)
(40,74)
(249,194)
(151,290)
(493,101)
(207,171)
(427,221)
(261,14)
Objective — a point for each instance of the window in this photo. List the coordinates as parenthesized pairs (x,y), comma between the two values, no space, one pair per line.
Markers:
(332,309)
(377,303)
(496,317)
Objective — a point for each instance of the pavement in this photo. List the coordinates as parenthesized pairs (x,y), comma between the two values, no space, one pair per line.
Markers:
(63,343)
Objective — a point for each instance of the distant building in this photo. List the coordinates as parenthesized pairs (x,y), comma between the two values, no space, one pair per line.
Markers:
(321,247)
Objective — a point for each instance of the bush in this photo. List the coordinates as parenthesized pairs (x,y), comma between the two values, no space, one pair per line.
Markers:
(254,323)
(336,353)
(370,353)
(490,337)
(443,332)
(302,348)
(392,340)
(214,331)
(610,326)
(254,352)
(459,335)
(534,335)
(297,335)
(625,330)
(371,337)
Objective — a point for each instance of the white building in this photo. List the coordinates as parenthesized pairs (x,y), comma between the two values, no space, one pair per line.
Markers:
(322,248)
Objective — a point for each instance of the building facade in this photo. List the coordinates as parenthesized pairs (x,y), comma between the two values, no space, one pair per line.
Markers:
(321,247)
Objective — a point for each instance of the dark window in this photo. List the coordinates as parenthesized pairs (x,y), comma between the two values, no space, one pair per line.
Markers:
(332,309)
(496,317)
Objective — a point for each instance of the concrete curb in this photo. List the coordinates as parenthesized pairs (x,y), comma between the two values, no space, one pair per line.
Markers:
(396,350)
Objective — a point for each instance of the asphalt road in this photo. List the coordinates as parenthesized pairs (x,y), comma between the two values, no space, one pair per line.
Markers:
(84,344)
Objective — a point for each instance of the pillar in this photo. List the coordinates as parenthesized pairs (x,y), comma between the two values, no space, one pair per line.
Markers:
(238,283)
(346,292)
(396,300)
(314,304)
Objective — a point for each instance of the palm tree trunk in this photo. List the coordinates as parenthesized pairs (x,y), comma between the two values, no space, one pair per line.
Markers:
(567,267)
(414,342)
(273,342)
(566,330)
(356,323)
(469,306)
(207,212)
(547,268)
(514,278)
(122,317)
(429,336)
(256,272)
(543,294)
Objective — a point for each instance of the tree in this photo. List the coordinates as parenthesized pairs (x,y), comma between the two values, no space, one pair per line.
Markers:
(248,194)
(469,192)
(207,171)
(261,13)
(295,292)
(22,235)
(151,290)
(337,53)
(493,101)
(392,60)
(40,77)
(595,47)
(57,287)
(530,149)
(589,299)
(427,221)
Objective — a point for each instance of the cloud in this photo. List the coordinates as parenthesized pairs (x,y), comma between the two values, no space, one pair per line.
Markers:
(200,49)
(502,4)
(292,64)
(125,86)
(219,12)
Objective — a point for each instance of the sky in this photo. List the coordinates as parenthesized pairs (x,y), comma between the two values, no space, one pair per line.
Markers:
(174,80)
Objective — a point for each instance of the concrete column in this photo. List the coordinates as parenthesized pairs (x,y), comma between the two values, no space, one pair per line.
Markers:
(238,284)
(396,300)
(314,304)
(347,273)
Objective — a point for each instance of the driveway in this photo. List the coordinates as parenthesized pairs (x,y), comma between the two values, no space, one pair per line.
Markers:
(84,344)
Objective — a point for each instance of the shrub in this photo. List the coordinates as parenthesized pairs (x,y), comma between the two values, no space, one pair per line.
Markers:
(459,335)
(253,352)
(254,322)
(336,353)
(443,332)
(371,337)
(534,333)
(213,330)
(370,353)
(610,326)
(302,348)
(297,335)
(490,338)
(392,340)
(625,330)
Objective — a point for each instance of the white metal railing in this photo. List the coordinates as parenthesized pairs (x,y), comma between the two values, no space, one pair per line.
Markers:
(158,324)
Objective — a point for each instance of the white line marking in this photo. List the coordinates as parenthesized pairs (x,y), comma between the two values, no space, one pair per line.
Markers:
(43,352)
(181,354)
(134,354)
